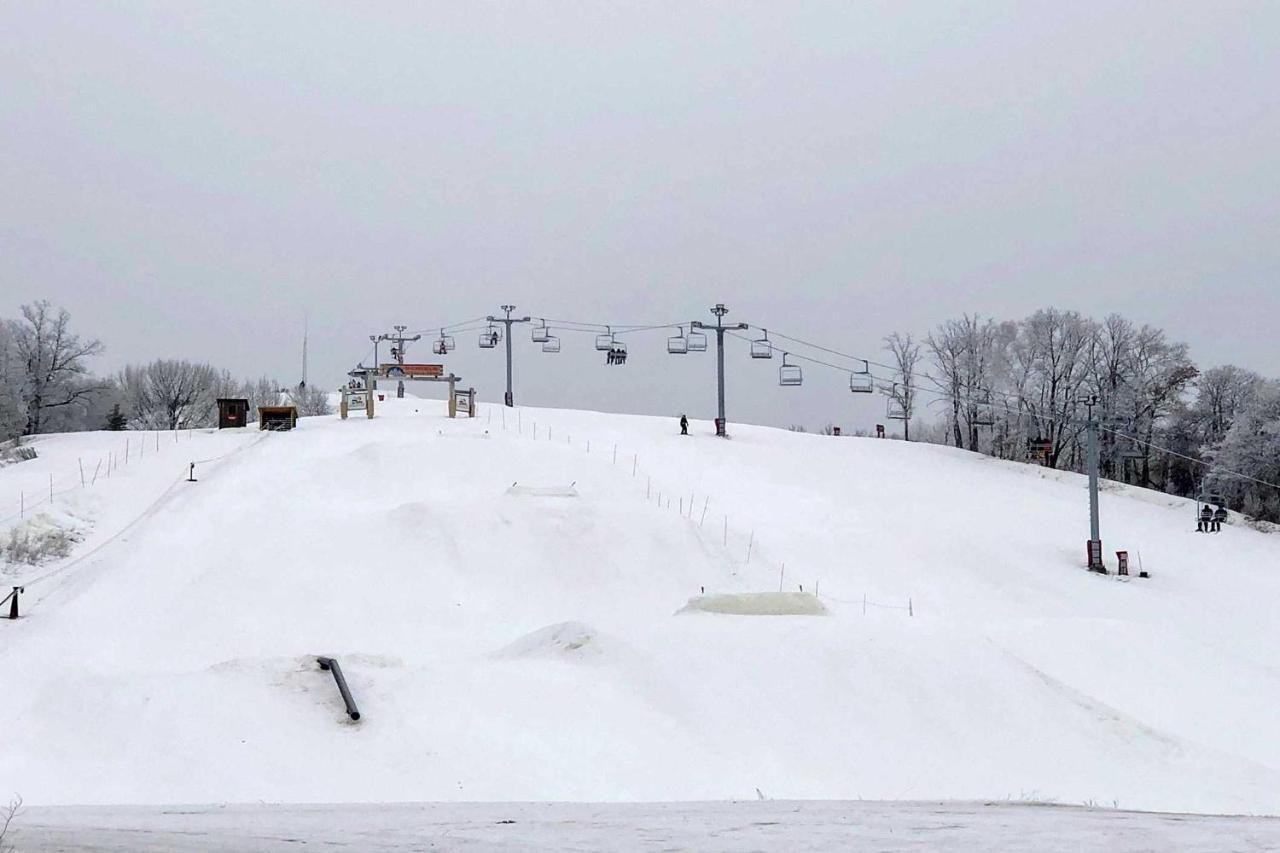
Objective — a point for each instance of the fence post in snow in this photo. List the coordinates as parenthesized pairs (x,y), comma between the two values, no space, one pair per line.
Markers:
(648,481)
(615,454)
(705,504)
(864,604)
(751,544)
(726,531)
(81,463)
(95,472)
(782,576)
(22,504)
(635,460)
(50,488)
(911,611)
(682,504)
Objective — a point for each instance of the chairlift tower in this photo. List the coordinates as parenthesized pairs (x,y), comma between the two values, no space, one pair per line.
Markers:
(1095,536)
(722,428)
(397,351)
(508,320)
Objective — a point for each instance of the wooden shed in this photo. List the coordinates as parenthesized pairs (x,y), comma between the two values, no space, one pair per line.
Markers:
(232,412)
(277,417)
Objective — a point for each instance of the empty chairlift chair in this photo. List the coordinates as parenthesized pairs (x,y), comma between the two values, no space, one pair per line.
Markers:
(551,344)
(697,341)
(678,345)
(605,342)
(762,348)
(790,374)
(541,334)
(860,381)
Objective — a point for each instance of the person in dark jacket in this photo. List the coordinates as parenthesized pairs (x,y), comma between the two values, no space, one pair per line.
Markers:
(1206,519)
(684,425)
(1219,516)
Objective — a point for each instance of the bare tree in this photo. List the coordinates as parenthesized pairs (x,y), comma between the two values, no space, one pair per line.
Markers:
(905,353)
(53,362)
(7,814)
(311,400)
(13,408)
(168,394)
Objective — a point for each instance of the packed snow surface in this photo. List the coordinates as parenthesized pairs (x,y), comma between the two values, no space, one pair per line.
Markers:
(746,827)
(516,645)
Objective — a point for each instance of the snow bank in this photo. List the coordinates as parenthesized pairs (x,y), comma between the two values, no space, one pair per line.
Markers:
(758,604)
(519,490)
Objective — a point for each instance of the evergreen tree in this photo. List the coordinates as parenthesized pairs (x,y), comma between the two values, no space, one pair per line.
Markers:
(116,421)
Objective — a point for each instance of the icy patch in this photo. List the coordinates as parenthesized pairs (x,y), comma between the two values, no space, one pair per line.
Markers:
(519,490)
(571,640)
(757,604)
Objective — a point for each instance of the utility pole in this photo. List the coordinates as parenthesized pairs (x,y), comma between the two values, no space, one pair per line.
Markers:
(376,340)
(397,351)
(722,428)
(1095,536)
(507,321)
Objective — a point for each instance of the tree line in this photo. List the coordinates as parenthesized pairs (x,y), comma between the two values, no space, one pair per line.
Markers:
(1022,389)
(46,384)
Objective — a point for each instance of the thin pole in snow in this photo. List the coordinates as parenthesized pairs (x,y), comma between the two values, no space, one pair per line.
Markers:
(50,488)
(751,544)
(682,504)
(635,460)
(157,441)
(22,504)
(126,451)
(615,454)
(864,604)
(781,576)
(95,472)
(726,531)
(81,463)
(705,504)
(647,482)
(588,445)
(910,608)
(691,504)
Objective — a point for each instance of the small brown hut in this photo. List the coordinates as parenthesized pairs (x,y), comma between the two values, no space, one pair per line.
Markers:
(232,412)
(277,417)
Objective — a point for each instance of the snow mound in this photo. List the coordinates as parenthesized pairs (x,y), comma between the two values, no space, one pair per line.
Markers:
(758,604)
(518,490)
(573,640)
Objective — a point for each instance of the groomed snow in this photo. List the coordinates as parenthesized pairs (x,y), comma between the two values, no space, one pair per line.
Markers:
(527,647)
(745,827)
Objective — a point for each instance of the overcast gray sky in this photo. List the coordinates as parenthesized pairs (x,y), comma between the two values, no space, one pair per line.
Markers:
(190,180)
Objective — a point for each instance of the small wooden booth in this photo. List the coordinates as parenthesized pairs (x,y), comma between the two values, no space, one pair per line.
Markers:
(232,412)
(277,418)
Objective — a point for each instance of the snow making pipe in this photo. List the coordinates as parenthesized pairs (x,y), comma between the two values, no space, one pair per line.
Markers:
(332,666)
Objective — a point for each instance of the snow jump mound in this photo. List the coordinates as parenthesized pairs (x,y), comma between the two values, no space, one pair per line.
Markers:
(757,604)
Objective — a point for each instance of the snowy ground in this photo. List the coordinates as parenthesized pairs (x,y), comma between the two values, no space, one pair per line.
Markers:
(528,643)
(794,827)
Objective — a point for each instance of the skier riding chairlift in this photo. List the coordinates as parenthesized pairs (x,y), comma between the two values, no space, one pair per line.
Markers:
(1205,522)
(1219,516)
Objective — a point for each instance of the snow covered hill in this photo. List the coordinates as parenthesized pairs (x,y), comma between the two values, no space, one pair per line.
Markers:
(503,594)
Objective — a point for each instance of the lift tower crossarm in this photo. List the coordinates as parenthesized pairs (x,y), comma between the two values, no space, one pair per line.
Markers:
(722,427)
(508,321)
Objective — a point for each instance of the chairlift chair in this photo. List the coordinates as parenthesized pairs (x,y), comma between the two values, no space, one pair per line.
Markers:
(789,374)
(678,345)
(894,409)
(551,344)
(762,348)
(444,345)
(605,342)
(437,347)
(541,334)
(860,381)
(489,338)
(697,341)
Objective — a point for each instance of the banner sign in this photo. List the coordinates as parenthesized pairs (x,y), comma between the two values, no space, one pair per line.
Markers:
(411,371)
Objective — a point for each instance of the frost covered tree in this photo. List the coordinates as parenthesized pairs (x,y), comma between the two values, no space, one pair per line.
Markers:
(1251,447)
(13,408)
(311,400)
(54,364)
(168,393)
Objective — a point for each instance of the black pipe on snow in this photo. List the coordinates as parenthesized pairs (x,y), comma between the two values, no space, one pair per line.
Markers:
(331,665)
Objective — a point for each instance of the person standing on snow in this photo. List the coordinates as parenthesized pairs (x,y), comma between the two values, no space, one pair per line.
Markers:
(684,425)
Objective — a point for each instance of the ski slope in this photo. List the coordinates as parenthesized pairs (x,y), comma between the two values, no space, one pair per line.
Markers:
(505,595)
